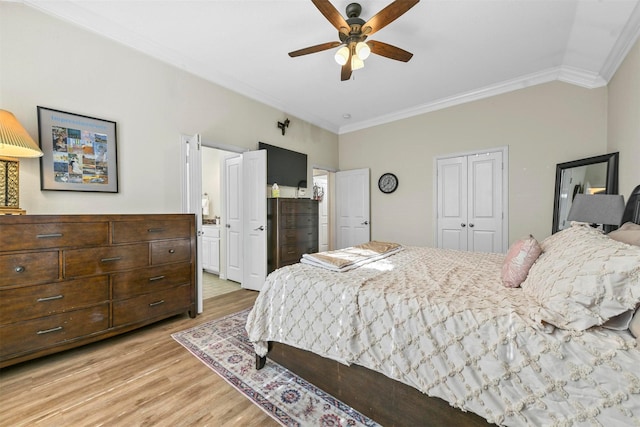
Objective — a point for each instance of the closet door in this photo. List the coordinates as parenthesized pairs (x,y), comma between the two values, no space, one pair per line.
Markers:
(470,202)
(484,198)
(452,203)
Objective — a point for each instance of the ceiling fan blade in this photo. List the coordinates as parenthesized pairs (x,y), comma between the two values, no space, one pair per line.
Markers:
(314,49)
(387,15)
(389,51)
(345,72)
(332,15)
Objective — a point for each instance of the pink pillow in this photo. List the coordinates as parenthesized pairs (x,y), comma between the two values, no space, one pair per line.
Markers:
(521,256)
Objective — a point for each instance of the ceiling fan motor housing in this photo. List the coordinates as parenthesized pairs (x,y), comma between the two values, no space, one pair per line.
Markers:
(355,24)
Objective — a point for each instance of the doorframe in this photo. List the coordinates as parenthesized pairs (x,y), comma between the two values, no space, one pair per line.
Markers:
(190,167)
(505,189)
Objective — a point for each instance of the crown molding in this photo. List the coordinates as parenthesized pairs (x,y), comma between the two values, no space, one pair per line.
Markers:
(522,82)
(628,37)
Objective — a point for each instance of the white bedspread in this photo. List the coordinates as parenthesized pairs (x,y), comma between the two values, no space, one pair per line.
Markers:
(441,321)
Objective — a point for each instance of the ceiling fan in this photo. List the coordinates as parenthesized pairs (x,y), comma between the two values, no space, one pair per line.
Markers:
(353,32)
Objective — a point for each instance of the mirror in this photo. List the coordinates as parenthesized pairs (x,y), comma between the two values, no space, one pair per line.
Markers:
(593,175)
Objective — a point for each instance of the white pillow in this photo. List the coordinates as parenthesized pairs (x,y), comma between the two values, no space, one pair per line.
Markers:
(583,278)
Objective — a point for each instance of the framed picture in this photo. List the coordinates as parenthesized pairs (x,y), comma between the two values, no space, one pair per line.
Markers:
(79,152)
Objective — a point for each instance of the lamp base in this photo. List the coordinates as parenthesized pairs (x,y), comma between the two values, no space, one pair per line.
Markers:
(12,211)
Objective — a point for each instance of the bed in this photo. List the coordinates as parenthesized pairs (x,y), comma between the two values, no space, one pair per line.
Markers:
(541,336)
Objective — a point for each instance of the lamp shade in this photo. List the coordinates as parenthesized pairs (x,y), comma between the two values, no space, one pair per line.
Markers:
(342,55)
(363,50)
(15,141)
(597,209)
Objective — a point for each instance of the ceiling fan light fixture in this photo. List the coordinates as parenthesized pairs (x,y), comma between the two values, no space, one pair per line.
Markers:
(356,63)
(363,50)
(342,55)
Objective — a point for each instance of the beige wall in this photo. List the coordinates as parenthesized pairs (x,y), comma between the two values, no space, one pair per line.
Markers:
(624,120)
(542,126)
(48,62)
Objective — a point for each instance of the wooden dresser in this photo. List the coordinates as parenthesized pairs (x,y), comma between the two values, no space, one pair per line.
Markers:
(292,230)
(67,280)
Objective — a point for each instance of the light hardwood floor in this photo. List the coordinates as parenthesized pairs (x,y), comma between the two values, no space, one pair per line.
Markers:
(142,378)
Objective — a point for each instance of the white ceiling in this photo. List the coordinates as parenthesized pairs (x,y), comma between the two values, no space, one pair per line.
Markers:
(463,49)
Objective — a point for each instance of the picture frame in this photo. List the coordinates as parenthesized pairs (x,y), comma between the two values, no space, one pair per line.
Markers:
(80,152)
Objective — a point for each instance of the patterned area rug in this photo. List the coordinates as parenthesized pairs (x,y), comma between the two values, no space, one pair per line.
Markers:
(223,346)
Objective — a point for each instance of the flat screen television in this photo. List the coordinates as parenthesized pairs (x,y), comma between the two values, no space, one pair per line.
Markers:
(285,167)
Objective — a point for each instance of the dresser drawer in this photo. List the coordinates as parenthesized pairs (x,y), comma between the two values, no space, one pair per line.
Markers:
(30,302)
(151,306)
(167,251)
(29,268)
(294,252)
(44,332)
(296,207)
(147,280)
(92,261)
(142,231)
(298,221)
(53,235)
(294,235)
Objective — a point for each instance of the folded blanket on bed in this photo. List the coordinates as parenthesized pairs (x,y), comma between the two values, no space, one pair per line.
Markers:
(353,257)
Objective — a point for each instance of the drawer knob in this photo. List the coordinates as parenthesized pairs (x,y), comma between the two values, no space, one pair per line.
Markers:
(115,258)
(19,269)
(172,251)
(155,230)
(153,304)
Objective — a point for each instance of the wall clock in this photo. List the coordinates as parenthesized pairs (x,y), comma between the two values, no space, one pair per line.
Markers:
(388,183)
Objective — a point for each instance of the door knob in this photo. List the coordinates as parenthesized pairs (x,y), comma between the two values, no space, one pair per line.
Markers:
(261,228)
(471,225)
(463,225)
(228,225)
(365,223)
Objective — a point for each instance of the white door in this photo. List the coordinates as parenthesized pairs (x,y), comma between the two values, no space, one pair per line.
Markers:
(452,203)
(254,171)
(471,202)
(191,156)
(323,213)
(352,208)
(233,216)
(484,202)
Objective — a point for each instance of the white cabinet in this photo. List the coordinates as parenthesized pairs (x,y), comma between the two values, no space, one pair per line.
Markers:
(211,248)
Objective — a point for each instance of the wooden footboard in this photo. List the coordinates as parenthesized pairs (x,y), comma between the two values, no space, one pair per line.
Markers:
(375,395)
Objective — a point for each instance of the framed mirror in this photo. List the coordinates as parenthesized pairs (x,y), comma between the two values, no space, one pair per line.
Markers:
(593,175)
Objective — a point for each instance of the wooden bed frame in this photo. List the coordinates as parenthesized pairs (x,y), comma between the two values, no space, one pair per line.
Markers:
(384,400)
(387,401)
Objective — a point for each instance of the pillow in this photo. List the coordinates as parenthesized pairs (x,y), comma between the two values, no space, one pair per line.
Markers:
(520,257)
(628,233)
(583,278)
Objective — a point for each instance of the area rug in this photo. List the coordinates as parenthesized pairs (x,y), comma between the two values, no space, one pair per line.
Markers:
(223,346)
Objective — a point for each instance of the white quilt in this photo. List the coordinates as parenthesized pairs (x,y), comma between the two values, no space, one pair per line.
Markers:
(441,321)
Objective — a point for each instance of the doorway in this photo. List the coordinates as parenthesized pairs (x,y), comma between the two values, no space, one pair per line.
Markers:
(215,281)
(321,192)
